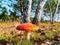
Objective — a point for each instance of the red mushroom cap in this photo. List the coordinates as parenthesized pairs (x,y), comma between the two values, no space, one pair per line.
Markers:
(27,27)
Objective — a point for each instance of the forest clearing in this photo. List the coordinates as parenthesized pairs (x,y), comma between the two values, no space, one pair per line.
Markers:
(11,36)
(29,22)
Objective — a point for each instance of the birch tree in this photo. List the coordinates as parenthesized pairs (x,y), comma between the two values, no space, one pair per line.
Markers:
(53,9)
(22,6)
(27,12)
(53,14)
(57,7)
(39,12)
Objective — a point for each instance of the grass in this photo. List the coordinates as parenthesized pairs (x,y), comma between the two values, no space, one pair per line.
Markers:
(12,36)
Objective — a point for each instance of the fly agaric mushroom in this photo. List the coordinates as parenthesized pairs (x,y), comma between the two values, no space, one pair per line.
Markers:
(27,27)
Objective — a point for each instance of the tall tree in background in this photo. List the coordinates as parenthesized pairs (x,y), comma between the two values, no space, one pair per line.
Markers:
(57,7)
(22,8)
(53,9)
(28,11)
(8,7)
(21,2)
(25,11)
(15,10)
(4,14)
(38,12)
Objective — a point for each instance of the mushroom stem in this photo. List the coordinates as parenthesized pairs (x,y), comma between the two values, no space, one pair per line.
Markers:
(28,35)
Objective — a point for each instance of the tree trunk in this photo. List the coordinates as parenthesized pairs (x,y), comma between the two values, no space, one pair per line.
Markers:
(21,9)
(39,12)
(53,14)
(52,19)
(21,6)
(27,11)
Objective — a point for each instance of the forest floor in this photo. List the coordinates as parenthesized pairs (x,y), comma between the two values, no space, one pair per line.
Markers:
(47,35)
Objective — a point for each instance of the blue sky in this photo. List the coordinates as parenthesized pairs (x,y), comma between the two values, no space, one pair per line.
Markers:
(8,4)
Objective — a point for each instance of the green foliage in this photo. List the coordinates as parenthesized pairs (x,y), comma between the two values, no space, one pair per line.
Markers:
(13,40)
(1,37)
(4,17)
(35,1)
(50,35)
(26,42)
(58,31)
(51,4)
(56,43)
(38,37)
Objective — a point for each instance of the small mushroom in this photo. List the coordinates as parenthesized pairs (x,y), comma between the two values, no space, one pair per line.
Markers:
(27,27)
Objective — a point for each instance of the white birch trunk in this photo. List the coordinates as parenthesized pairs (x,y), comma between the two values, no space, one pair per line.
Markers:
(53,15)
(27,12)
(39,12)
(51,18)
(56,9)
